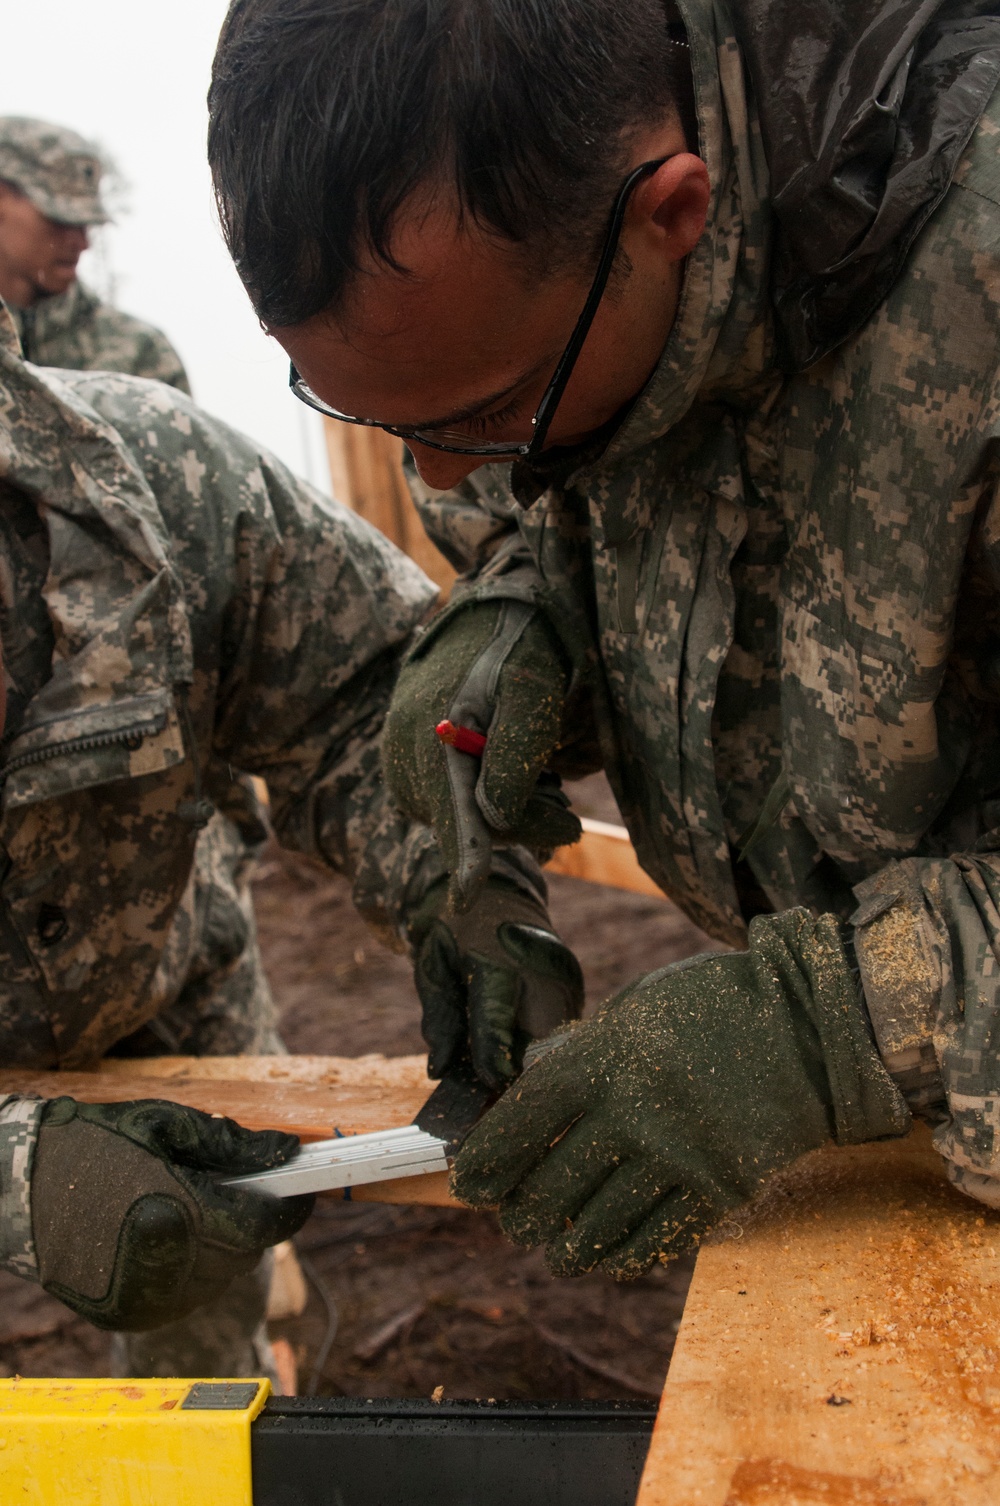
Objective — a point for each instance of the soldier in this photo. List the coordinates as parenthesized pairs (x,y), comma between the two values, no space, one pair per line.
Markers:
(50,196)
(174,607)
(690,318)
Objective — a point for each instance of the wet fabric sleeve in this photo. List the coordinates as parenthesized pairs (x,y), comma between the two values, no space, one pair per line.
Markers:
(330,627)
(300,614)
(20,1119)
(927,938)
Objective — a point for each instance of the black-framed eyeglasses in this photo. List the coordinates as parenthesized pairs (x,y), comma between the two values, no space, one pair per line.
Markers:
(459,444)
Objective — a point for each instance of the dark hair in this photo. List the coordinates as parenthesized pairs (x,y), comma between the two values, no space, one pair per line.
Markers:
(325,115)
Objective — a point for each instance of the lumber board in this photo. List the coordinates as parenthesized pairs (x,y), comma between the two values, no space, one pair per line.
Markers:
(314,1097)
(840,1345)
(366,473)
(604,855)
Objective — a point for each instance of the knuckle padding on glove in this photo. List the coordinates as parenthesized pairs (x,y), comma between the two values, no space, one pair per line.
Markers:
(131,1237)
(491,980)
(73,1189)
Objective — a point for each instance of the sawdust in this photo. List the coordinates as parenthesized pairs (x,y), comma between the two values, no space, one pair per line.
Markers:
(770,1482)
(476,1299)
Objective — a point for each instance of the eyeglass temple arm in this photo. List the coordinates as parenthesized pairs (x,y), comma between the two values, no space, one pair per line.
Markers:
(567,360)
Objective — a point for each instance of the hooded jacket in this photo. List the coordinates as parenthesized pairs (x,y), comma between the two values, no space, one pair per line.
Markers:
(175,606)
(778,580)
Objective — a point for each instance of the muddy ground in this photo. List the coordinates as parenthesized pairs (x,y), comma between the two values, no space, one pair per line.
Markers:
(403,1300)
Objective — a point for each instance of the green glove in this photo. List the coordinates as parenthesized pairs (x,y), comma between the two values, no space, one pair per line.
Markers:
(680,1099)
(496,668)
(491,981)
(131,1226)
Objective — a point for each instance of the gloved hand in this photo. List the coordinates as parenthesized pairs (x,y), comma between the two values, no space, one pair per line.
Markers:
(131,1227)
(497,668)
(680,1099)
(490,981)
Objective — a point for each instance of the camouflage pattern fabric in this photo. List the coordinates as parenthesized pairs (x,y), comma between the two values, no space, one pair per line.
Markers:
(224,1006)
(19,1123)
(54,167)
(781,597)
(76,330)
(176,611)
(226,1337)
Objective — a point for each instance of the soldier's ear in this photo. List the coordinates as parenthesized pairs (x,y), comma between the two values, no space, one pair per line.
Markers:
(674,202)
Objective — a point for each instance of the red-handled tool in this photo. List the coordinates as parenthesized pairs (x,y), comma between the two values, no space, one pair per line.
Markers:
(462,738)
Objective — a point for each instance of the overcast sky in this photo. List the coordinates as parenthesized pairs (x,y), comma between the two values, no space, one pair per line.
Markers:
(133,75)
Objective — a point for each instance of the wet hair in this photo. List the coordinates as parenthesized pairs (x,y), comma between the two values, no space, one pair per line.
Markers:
(326,115)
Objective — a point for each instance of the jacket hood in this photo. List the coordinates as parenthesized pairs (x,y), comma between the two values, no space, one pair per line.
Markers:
(721,337)
(823,172)
(863,126)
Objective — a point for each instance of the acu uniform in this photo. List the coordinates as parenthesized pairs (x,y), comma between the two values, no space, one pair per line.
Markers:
(60,173)
(779,579)
(225,1006)
(78,330)
(173,605)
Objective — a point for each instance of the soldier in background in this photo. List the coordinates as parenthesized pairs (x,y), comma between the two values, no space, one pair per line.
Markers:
(50,196)
(175,605)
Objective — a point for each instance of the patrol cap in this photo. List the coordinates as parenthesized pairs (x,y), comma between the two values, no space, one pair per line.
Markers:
(55,168)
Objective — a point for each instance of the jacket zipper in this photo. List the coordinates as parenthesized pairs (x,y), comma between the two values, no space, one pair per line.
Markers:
(197,811)
(132,737)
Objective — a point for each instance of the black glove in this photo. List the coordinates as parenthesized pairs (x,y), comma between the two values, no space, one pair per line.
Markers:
(131,1227)
(626,1142)
(494,667)
(490,981)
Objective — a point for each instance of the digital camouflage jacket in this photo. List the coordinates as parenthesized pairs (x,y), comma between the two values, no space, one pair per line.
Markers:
(781,588)
(77,330)
(175,607)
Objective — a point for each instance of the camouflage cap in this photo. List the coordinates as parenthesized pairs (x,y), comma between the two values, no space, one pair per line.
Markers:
(55,168)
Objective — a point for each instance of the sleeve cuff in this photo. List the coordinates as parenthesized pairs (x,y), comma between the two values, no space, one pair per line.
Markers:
(20,1121)
(901,974)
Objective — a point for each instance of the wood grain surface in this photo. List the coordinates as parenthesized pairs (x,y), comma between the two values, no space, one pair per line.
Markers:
(840,1345)
(604,855)
(314,1097)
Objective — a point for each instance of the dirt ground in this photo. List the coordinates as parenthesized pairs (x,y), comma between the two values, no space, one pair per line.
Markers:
(403,1300)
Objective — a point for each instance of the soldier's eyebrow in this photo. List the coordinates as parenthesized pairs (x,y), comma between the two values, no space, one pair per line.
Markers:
(473,410)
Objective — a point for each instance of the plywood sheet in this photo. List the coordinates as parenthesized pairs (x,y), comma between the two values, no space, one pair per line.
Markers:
(604,855)
(840,1345)
(314,1097)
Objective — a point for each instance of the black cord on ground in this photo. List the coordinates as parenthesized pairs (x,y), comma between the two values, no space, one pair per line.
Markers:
(332,1322)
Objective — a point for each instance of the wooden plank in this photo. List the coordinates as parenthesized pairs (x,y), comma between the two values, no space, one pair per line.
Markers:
(840,1345)
(366,472)
(604,855)
(314,1097)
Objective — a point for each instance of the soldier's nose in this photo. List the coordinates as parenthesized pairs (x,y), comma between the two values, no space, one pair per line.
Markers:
(439,469)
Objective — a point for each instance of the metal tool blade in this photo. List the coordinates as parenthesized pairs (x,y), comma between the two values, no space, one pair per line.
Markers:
(410,1150)
(458,1101)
